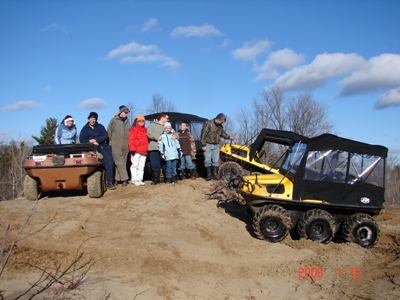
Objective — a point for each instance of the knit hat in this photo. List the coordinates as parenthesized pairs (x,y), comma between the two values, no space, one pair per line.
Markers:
(68,118)
(140,118)
(123,108)
(93,115)
(167,124)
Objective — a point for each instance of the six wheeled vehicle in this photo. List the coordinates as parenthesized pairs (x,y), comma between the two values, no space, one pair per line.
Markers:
(63,167)
(326,185)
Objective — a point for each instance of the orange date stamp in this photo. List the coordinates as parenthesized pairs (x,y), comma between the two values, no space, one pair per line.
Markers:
(313,273)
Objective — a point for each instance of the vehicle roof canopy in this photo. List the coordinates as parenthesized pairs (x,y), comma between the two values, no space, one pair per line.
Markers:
(175,117)
(275,136)
(328,141)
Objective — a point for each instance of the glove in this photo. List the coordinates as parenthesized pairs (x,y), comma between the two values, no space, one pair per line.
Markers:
(163,156)
(179,152)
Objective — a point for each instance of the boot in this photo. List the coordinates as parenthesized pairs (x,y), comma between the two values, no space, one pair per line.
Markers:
(155,178)
(208,174)
(164,174)
(181,174)
(173,179)
(168,180)
(215,173)
(191,174)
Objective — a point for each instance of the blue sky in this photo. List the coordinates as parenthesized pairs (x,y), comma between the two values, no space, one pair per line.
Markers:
(71,57)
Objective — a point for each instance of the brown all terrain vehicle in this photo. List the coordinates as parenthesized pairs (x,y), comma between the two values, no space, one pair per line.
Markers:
(63,167)
(326,186)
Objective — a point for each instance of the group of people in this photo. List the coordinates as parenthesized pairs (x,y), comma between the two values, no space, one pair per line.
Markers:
(170,153)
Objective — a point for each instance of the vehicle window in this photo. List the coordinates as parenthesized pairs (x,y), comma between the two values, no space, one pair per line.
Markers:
(329,165)
(195,128)
(367,168)
(294,157)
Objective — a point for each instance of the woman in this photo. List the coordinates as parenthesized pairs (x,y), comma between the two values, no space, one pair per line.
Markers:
(66,132)
(138,145)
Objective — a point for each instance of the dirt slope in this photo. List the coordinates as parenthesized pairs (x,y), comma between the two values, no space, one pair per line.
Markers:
(165,242)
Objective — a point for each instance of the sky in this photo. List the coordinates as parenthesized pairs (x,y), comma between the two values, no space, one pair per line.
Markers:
(60,57)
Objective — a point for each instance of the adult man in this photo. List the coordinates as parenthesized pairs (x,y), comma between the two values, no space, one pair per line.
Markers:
(154,131)
(97,135)
(118,132)
(211,135)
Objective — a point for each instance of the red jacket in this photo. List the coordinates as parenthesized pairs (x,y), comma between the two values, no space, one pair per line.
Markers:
(138,141)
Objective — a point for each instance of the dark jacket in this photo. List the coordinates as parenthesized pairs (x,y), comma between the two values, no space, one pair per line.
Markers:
(97,132)
(212,133)
(187,143)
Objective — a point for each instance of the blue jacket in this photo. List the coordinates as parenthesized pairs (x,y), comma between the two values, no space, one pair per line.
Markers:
(97,132)
(65,134)
(168,147)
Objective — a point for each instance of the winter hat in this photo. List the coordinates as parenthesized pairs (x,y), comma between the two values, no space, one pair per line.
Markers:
(140,118)
(93,115)
(123,108)
(167,124)
(68,118)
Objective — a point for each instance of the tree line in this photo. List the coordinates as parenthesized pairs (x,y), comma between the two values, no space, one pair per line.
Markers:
(302,114)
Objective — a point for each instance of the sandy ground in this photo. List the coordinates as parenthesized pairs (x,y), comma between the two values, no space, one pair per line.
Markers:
(173,242)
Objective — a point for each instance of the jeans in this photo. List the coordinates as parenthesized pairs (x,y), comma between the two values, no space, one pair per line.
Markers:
(105,150)
(137,167)
(211,155)
(186,163)
(156,162)
(171,168)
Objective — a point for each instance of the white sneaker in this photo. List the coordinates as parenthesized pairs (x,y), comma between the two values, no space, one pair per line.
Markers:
(141,182)
(137,183)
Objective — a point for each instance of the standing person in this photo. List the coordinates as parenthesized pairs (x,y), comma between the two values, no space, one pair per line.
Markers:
(188,147)
(66,132)
(118,132)
(97,135)
(138,145)
(170,151)
(211,135)
(154,131)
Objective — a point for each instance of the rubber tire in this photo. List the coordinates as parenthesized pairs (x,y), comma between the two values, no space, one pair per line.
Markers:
(32,190)
(317,225)
(95,184)
(361,229)
(229,170)
(272,223)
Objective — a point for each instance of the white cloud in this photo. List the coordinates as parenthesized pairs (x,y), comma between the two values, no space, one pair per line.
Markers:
(137,53)
(390,98)
(196,31)
(323,68)
(251,50)
(282,59)
(150,23)
(379,73)
(48,88)
(225,43)
(55,26)
(21,105)
(92,103)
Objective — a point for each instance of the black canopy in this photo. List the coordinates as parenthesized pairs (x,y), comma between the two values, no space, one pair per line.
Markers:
(275,136)
(328,141)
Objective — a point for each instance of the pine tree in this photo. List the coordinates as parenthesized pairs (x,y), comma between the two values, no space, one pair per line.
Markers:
(47,132)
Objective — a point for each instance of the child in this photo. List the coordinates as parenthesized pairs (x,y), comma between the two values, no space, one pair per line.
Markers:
(170,151)
(138,144)
(66,132)
(188,147)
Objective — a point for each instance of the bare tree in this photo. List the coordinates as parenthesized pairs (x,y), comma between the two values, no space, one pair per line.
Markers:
(306,116)
(134,110)
(301,114)
(392,193)
(160,104)
(244,134)
(12,157)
